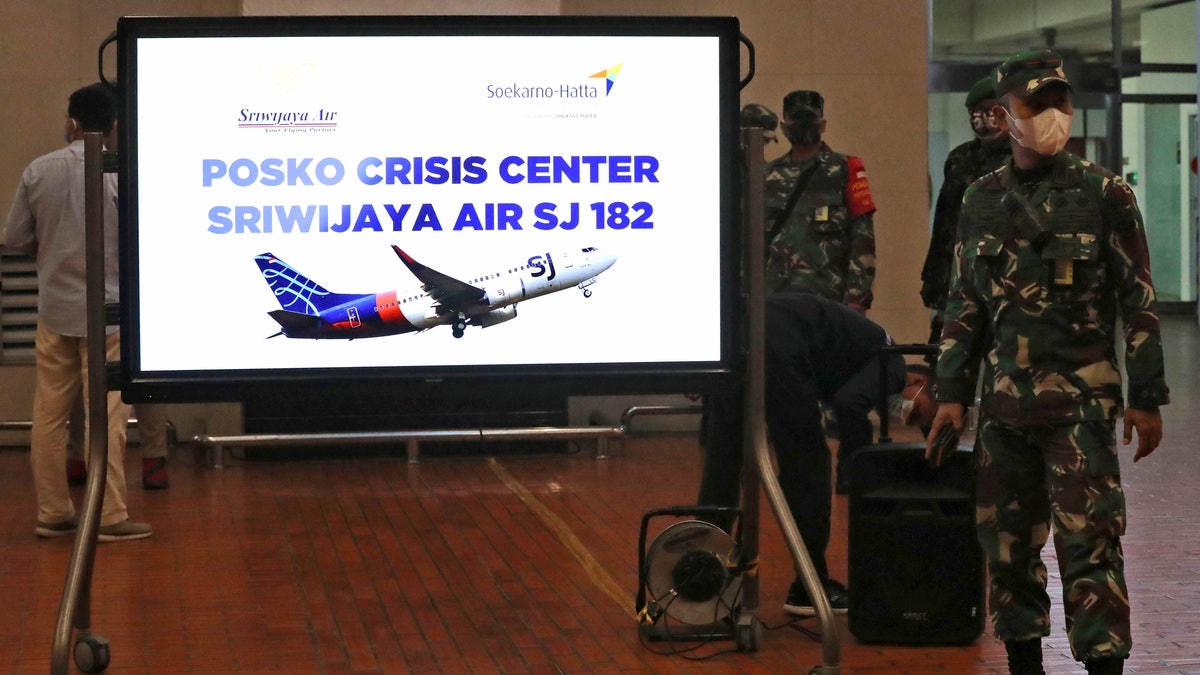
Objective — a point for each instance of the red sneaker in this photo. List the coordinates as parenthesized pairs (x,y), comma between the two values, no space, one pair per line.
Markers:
(154,473)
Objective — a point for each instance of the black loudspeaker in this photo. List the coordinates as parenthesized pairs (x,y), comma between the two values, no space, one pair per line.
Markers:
(916,569)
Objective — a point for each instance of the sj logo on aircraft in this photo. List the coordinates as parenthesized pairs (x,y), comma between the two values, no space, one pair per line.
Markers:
(540,268)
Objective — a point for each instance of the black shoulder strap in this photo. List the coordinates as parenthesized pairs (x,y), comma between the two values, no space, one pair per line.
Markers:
(801,182)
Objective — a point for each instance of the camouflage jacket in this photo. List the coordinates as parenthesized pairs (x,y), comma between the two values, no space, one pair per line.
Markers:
(964,165)
(827,245)
(1041,270)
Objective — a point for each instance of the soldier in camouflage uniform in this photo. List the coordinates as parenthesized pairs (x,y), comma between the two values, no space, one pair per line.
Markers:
(826,245)
(759,115)
(965,163)
(1051,253)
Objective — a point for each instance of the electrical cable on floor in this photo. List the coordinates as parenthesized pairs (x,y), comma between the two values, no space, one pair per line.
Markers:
(701,641)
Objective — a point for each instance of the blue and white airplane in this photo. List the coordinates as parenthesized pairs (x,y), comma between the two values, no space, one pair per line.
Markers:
(311,311)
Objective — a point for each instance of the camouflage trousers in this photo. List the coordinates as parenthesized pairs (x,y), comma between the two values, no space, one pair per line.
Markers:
(1066,475)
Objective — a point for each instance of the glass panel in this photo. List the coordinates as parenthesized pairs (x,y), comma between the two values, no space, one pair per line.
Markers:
(1158,165)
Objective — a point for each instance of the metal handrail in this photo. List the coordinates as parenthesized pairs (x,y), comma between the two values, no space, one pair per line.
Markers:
(215,445)
(27,425)
(636,410)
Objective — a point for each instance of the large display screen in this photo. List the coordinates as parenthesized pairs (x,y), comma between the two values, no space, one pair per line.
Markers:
(427,201)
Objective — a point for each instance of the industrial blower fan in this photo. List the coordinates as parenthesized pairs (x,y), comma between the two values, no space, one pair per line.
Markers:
(691,577)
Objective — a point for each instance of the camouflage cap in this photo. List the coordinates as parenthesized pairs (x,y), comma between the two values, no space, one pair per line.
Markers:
(758,115)
(982,90)
(803,101)
(1029,71)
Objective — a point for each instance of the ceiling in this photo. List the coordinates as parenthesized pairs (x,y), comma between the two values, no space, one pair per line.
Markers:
(989,30)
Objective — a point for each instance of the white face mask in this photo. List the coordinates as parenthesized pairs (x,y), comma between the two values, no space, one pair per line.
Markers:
(900,409)
(1045,133)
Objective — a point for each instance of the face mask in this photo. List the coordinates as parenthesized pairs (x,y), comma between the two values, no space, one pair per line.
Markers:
(983,123)
(900,409)
(803,132)
(1045,133)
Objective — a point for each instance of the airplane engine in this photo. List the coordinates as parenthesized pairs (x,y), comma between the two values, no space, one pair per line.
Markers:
(499,315)
(498,296)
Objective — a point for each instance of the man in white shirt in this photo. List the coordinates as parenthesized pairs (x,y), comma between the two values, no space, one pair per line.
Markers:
(47,219)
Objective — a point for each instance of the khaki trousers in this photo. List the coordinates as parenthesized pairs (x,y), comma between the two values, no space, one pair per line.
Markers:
(152,430)
(62,372)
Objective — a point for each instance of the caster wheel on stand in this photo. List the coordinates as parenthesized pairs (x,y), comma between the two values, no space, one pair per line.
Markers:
(747,634)
(91,653)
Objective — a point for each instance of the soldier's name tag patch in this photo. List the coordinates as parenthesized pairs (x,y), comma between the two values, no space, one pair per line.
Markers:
(822,213)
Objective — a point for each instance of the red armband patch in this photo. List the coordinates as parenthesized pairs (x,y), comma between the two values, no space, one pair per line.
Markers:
(858,192)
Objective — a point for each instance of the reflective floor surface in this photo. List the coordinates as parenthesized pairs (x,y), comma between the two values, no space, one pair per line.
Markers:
(522,562)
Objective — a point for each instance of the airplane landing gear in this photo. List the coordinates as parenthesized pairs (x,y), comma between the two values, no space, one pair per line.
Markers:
(459,326)
(587,292)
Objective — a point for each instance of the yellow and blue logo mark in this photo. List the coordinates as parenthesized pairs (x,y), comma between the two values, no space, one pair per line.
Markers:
(610,77)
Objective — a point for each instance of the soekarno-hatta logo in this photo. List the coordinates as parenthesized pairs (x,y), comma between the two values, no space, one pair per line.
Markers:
(610,77)
(567,90)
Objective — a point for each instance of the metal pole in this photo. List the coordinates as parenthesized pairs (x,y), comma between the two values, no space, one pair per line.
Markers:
(75,607)
(753,416)
(1115,159)
(755,432)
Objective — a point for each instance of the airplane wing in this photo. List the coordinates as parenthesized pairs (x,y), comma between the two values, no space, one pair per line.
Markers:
(446,290)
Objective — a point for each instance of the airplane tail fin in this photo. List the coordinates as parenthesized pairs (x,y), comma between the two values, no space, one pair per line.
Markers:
(296,293)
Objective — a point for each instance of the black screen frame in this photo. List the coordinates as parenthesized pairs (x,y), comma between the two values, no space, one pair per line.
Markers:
(139,385)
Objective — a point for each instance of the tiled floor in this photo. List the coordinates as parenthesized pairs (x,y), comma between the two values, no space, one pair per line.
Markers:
(514,563)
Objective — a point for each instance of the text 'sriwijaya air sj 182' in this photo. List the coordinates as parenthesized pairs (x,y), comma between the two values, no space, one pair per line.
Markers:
(311,311)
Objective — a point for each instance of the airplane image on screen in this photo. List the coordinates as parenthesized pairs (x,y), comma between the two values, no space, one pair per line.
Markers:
(491,297)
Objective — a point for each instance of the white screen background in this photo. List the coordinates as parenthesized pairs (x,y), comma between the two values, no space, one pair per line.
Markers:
(203,302)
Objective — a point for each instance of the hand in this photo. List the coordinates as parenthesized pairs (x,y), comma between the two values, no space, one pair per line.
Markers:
(947,413)
(1149,430)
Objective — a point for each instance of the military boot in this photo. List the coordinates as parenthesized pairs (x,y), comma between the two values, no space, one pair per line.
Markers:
(1024,657)
(1106,666)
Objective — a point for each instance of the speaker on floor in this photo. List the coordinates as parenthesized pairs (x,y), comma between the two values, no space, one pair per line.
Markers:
(916,568)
